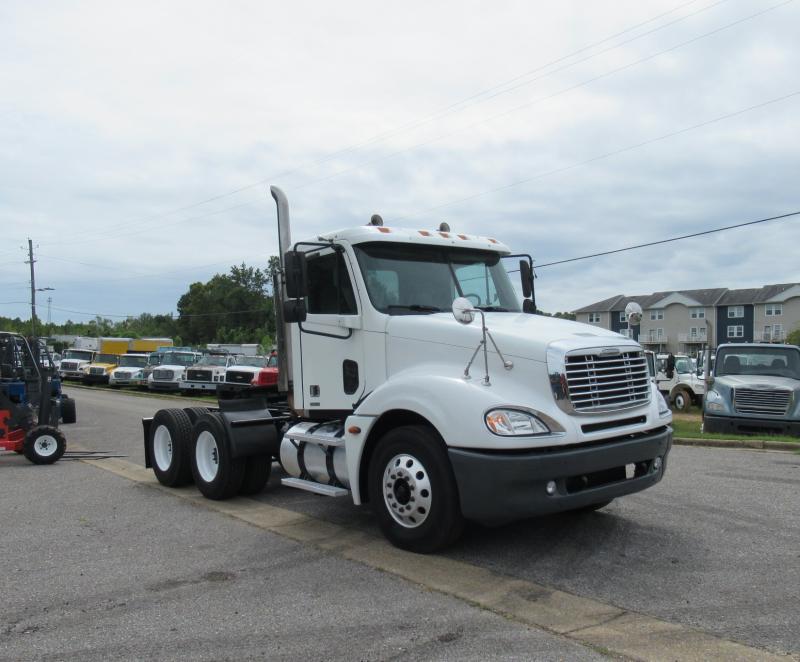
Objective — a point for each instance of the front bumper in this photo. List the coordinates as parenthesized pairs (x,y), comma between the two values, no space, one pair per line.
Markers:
(199,386)
(750,425)
(95,379)
(164,386)
(501,487)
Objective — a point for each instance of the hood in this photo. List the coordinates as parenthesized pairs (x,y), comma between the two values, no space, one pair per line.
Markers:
(758,382)
(519,335)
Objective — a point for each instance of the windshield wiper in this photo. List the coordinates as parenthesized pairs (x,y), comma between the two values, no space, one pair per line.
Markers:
(414,307)
(493,309)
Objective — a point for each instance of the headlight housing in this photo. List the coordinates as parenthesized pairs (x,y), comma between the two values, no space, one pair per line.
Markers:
(663,407)
(714,401)
(514,423)
(713,396)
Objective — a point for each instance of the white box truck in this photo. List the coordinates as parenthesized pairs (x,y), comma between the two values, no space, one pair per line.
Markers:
(417,383)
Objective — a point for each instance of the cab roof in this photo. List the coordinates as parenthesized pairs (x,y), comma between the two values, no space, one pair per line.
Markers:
(370,233)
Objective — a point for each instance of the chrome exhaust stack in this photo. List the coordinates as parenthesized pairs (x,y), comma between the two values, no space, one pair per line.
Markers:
(282,329)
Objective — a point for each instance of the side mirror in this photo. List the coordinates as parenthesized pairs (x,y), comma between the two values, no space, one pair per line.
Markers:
(296,275)
(294,310)
(528,306)
(463,311)
(670,366)
(633,311)
(526,275)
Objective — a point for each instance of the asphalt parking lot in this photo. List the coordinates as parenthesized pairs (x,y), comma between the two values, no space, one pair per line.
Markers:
(101,563)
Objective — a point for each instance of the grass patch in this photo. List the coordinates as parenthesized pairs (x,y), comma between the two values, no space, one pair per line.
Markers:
(689,427)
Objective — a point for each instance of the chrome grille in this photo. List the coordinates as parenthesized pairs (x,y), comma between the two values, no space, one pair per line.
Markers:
(162,374)
(603,382)
(198,375)
(97,371)
(69,365)
(773,402)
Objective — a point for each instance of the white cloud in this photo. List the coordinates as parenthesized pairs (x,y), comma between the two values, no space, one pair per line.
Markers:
(114,113)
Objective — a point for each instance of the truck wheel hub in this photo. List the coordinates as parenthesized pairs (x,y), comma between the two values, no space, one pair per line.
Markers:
(407,490)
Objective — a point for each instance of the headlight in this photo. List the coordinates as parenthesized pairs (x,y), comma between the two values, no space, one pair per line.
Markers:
(663,407)
(714,401)
(713,396)
(512,423)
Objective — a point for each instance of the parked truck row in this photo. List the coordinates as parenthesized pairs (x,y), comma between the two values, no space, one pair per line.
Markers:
(416,382)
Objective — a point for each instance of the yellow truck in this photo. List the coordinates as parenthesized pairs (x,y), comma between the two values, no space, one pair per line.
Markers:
(110,351)
(107,358)
(147,345)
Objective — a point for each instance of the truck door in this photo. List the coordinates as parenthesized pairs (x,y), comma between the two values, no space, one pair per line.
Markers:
(331,342)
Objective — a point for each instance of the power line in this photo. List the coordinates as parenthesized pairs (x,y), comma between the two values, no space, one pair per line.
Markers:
(603,156)
(670,240)
(548,97)
(455,107)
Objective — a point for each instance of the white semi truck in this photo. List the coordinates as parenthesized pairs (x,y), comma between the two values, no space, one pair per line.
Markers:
(416,383)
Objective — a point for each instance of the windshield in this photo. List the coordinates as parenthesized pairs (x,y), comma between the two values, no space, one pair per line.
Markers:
(177,358)
(133,361)
(406,278)
(213,360)
(154,359)
(79,354)
(766,361)
(683,364)
(252,361)
(106,358)
(273,361)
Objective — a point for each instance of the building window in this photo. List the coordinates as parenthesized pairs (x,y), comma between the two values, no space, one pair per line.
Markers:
(735,311)
(594,318)
(623,317)
(774,309)
(736,331)
(656,315)
(659,333)
(777,332)
(625,332)
(697,313)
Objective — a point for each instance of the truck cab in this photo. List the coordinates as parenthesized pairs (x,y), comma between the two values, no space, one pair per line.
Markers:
(417,381)
(678,380)
(73,361)
(754,389)
(207,373)
(168,374)
(128,372)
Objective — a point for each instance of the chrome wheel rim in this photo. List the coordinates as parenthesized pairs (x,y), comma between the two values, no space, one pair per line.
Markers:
(45,445)
(407,491)
(162,447)
(207,456)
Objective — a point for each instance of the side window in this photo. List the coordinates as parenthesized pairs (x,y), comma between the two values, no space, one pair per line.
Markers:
(330,291)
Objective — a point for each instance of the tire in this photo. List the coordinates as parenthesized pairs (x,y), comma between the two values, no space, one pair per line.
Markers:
(168,447)
(68,411)
(411,463)
(256,474)
(195,412)
(216,474)
(681,400)
(44,444)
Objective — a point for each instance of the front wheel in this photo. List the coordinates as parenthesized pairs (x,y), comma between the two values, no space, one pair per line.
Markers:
(44,444)
(682,400)
(413,490)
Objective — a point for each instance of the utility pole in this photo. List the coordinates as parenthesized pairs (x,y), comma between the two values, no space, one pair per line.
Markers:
(49,304)
(33,288)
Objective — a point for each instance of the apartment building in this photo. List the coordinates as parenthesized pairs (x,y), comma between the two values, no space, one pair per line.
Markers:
(686,320)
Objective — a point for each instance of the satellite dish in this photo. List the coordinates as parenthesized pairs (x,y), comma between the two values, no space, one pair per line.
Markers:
(633,311)
(463,310)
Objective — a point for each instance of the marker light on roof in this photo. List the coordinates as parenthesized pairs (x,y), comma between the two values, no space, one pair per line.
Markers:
(463,236)
(494,241)
(445,235)
(425,233)
(384,230)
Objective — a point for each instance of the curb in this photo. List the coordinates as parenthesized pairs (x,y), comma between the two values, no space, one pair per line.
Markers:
(758,444)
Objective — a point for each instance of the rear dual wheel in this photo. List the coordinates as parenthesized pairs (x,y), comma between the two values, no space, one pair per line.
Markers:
(168,447)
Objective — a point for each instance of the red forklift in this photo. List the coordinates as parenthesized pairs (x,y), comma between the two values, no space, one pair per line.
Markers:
(31,401)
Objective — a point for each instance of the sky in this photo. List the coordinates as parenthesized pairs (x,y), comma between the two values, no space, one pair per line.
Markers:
(138,140)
